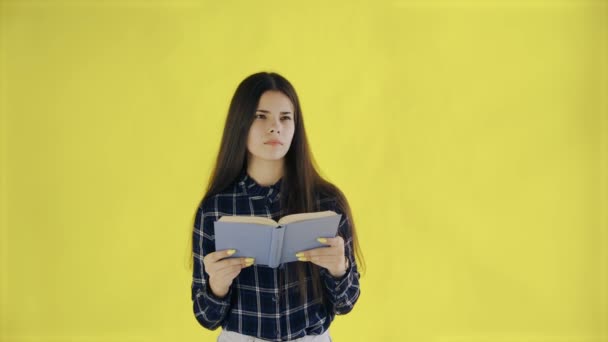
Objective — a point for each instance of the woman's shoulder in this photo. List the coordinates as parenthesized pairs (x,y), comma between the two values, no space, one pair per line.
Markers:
(216,201)
(330,197)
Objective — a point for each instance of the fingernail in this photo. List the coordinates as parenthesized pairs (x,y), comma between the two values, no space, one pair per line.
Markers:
(299,254)
(231,251)
(322,240)
(248,260)
(302,259)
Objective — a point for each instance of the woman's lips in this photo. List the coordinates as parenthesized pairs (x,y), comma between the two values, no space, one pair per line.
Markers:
(273,143)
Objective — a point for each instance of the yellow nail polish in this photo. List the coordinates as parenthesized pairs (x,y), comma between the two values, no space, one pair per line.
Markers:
(302,259)
(249,260)
(299,254)
(231,251)
(322,240)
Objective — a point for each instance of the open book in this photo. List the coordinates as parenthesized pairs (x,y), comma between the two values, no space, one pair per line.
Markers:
(272,243)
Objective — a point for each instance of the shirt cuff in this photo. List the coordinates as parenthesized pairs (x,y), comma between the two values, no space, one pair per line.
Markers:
(220,303)
(338,286)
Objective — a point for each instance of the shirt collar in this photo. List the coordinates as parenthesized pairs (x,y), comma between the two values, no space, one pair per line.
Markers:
(252,188)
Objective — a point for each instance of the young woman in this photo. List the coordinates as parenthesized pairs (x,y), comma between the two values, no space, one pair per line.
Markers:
(265,168)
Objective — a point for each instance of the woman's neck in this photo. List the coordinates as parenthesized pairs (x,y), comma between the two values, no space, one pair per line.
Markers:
(265,172)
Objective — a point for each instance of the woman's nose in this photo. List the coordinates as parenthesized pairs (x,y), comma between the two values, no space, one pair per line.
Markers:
(275,125)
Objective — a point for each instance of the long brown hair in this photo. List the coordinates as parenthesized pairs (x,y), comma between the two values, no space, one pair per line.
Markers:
(300,172)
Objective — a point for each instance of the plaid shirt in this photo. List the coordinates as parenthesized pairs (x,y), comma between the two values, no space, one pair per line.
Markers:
(264,302)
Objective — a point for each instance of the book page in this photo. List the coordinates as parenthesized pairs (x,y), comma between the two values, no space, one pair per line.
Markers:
(250,219)
(305,216)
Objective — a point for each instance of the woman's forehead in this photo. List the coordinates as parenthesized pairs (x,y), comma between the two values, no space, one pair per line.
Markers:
(274,101)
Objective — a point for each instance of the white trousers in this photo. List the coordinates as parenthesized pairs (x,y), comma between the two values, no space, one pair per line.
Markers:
(231,336)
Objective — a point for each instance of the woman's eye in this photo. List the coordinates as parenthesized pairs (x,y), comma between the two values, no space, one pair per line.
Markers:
(264,116)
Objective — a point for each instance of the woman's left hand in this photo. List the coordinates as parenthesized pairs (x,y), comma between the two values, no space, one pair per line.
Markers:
(331,257)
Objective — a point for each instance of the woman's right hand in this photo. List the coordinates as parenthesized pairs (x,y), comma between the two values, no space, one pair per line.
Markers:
(222,271)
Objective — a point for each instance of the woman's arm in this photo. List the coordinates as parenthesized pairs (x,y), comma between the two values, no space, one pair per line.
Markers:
(343,291)
(209,309)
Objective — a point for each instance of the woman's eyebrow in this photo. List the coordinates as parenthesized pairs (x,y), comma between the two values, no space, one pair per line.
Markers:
(265,111)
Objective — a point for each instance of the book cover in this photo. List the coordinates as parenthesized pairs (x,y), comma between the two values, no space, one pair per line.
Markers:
(273,243)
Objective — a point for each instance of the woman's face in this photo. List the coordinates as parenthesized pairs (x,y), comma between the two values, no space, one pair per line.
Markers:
(273,121)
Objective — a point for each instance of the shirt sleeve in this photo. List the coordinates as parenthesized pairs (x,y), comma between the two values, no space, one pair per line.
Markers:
(343,292)
(209,310)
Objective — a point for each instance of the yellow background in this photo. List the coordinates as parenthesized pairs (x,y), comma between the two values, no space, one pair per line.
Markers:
(470,138)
